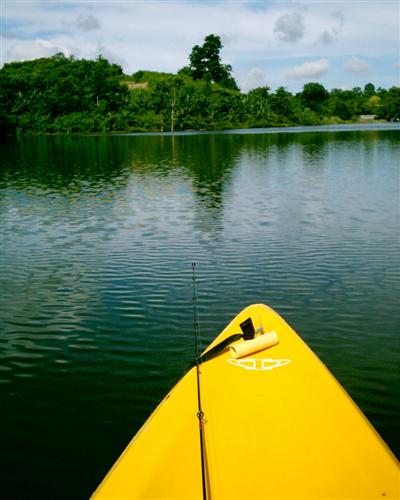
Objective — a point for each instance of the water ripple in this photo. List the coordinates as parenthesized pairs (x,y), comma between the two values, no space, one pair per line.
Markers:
(96,312)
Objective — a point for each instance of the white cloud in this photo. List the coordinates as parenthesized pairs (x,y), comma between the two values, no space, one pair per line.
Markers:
(290,27)
(25,50)
(313,69)
(256,77)
(356,65)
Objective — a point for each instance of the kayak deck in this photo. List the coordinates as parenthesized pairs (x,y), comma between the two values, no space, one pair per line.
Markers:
(276,425)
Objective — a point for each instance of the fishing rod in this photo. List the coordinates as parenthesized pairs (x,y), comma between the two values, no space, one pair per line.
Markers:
(200,413)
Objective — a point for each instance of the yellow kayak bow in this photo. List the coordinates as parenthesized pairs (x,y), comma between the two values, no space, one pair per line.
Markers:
(276,425)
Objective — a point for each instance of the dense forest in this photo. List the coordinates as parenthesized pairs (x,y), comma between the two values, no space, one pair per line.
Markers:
(67,95)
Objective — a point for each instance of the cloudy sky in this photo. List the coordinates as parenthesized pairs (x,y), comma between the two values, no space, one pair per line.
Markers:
(338,43)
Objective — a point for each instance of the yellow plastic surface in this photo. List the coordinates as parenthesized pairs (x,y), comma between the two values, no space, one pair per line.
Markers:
(277,426)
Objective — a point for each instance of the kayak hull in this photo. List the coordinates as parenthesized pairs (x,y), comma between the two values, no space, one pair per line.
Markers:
(276,425)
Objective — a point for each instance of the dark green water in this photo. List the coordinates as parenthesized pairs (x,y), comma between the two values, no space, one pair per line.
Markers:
(98,235)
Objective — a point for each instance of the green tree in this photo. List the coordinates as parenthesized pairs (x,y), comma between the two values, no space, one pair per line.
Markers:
(62,94)
(283,105)
(391,104)
(257,103)
(314,95)
(193,105)
(205,63)
(346,104)
(372,105)
(369,90)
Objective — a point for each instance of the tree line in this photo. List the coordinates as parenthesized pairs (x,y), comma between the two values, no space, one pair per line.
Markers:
(67,95)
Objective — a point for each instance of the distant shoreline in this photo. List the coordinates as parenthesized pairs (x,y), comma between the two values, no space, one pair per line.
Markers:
(342,127)
(335,127)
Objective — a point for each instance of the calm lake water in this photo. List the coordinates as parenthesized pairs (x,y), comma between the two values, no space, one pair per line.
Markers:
(98,235)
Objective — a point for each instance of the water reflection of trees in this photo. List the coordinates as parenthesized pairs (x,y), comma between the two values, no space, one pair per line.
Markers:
(60,162)
(65,163)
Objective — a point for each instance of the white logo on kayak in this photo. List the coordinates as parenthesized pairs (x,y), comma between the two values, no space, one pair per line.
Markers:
(258,364)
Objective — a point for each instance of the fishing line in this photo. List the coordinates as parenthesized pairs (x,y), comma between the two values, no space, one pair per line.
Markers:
(200,413)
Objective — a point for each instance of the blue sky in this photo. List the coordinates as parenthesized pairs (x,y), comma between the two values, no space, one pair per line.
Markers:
(340,44)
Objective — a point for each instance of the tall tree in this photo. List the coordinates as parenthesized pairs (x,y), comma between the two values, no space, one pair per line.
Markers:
(314,95)
(369,90)
(205,63)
